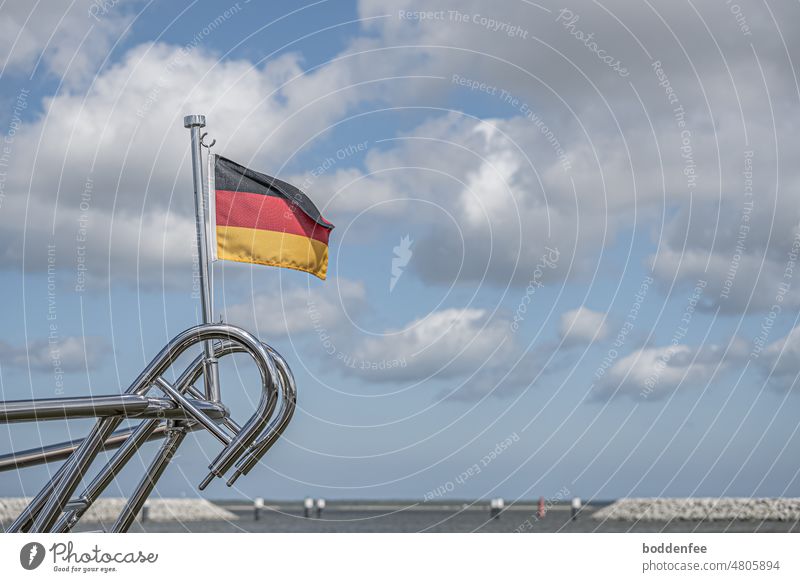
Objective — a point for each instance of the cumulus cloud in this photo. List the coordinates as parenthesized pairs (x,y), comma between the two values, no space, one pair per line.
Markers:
(297,310)
(532,48)
(667,144)
(748,260)
(493,191)
(573,155)
(470,348)
(516,371)
(582,325)
(69,354)
(444,344)
(779,361)
(111,166)
(653,373)
(70,39)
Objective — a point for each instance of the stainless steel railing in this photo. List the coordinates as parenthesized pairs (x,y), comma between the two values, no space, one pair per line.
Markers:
(180,409)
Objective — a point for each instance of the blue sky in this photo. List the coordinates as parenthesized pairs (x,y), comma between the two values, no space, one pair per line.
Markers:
(591,275)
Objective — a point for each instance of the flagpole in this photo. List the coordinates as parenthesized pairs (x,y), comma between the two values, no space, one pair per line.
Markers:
(194,123)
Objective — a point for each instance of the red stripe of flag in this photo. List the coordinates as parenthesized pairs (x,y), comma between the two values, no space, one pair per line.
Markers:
(248,210)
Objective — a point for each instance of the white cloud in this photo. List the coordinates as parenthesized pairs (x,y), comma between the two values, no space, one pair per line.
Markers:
(116,159)
(68,354)
(654,373)
(298,310)
(501,179)
(70,38)
(444,344)
(627,151)
(746,262)
(493,191)
(779,361)
(582,325)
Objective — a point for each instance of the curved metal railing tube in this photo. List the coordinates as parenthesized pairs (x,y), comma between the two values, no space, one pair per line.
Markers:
(273,432)
(250,430)
(137,437)
(220,466)
(52,510)
(200,333)
(88,450)
(276,428)
(91,446)
(269,378)
(194,371)
(61,451)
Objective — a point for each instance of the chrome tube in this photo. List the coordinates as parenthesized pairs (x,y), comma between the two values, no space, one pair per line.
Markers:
(25,519)
(210,378)
(61,451)
(77,466)
(288,404)
(142,434)
(200,333)
(128,405)
(193,412)
(175,435)
(270,380)
(65,408)
(120,438)
(184,409)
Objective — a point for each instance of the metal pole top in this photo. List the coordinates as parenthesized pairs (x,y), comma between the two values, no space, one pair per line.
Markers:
(194,121)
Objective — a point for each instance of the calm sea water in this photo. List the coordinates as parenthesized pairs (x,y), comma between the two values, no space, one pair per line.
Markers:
(349,517)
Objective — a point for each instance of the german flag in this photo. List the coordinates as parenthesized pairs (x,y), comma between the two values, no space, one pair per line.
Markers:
(260,219)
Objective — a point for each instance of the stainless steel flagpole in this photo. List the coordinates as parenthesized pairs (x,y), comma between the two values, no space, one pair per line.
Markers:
(194,123)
